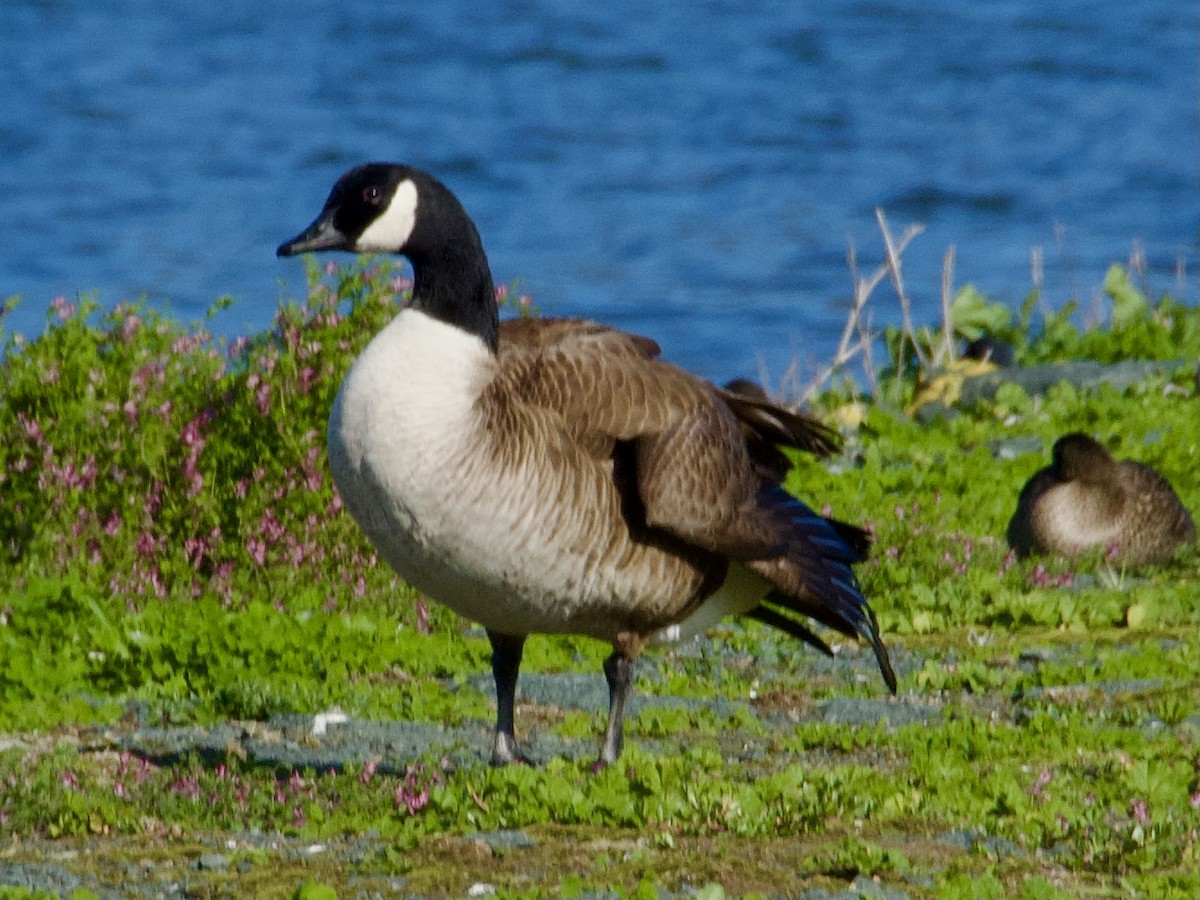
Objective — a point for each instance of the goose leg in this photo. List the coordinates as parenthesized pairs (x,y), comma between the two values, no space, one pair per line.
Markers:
(506,664)
(618,669)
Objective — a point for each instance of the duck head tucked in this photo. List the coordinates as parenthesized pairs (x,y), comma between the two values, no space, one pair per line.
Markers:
(1086,500)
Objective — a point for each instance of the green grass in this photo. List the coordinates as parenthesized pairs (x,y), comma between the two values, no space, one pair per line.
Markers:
(172,553)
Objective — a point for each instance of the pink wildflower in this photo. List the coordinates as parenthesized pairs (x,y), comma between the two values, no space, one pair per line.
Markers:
(368,771)
(1039,785)
(31,428)
(63,308)
(1140,811)
(262,398)
(130,326)
(188,786)
(1007,563)
(257,550)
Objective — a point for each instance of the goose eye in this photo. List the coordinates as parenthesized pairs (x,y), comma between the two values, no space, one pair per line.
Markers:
(371,194)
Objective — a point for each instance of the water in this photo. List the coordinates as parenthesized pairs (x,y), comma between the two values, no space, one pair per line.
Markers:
(694,172)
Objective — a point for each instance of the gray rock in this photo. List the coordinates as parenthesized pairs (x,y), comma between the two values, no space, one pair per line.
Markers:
(1037,656)
(932,412)
(213,862)
(1011,448)
(1085,373)
(867,711)
(45,877)
(505,839)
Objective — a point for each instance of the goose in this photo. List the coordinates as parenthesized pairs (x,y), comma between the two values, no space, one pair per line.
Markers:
(554,475)
(1086,500)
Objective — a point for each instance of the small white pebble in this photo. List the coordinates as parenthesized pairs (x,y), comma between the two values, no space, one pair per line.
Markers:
(322,721)
(481,889)
(314,849)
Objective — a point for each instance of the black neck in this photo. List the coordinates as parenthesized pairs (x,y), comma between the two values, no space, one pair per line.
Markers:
(460,294)
(451,278)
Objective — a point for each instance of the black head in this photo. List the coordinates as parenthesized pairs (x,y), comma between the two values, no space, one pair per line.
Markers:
(372,208)
(393,208)
(1079,457)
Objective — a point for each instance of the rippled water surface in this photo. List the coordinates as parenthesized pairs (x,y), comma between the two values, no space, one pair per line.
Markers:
(694,172)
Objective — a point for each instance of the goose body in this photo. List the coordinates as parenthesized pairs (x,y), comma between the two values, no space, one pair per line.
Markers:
(555,475)
(470,497)
(1086,500)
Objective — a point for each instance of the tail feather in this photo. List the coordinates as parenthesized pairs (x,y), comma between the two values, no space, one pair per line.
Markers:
(814,578)
(770,616)
(767,425)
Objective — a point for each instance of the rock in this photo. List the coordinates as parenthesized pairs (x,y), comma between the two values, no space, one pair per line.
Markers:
(504,839)
(212,862)
(1084,373)
(865,711)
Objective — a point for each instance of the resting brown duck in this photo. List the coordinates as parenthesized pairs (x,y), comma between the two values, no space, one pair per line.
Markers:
(1086,500)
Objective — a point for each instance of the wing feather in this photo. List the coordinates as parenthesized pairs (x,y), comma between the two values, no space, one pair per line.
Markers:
(699,467)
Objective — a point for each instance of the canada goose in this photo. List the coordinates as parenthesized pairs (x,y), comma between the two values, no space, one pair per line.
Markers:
(553,475)
(1086,500)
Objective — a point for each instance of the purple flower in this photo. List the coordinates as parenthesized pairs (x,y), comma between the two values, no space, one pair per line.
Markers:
(31,428)
(188,786)
(368,771)
(1140,811)
(257,550)
(1007,563)
(1039,785)
(62,308)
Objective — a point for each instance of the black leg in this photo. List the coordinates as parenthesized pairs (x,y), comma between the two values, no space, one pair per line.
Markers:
(618,669)
(506,664)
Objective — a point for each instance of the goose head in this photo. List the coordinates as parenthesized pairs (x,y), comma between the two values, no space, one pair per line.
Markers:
(393,208)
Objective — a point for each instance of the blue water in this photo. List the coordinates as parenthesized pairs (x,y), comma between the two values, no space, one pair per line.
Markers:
(691,171)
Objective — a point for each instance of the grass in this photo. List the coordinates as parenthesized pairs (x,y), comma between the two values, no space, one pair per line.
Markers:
(173,556)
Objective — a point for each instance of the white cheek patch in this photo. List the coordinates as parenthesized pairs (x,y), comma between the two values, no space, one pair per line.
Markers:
(391,231)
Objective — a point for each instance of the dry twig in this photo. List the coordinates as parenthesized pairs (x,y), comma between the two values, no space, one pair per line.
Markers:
(892,252)
(945,351)
(857,335)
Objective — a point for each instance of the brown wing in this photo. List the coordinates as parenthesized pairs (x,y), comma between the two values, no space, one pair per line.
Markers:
(682,453)
(766,426)
(673,437)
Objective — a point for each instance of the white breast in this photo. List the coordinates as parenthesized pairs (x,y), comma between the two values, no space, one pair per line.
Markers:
(1075,519)
(410,460)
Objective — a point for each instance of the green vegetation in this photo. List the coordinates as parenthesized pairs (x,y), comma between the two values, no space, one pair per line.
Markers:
(173,556)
